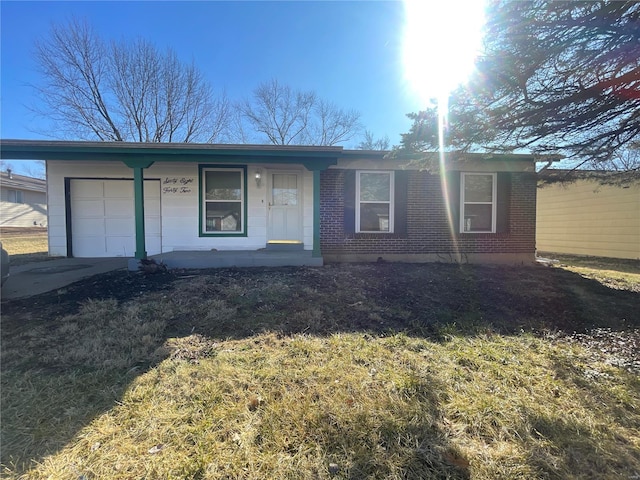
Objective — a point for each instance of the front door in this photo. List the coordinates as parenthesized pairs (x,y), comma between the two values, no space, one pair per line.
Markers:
(285,207)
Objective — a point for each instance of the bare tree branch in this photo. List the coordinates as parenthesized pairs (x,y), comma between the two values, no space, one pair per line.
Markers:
(278,112)
(334,125)
(288,117)
(371,143)
(128,91)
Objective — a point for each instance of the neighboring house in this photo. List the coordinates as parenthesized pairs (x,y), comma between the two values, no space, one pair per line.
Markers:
(335,204)
(23,200)
(586,217)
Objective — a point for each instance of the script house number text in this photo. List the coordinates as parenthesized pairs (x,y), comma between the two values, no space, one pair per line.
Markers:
(177,185)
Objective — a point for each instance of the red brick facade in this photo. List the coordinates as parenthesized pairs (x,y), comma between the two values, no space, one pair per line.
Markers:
(427,228)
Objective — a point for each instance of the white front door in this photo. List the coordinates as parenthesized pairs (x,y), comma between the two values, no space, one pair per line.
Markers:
(285,207)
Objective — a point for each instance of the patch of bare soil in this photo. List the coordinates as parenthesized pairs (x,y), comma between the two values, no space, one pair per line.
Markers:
(425,300)
(617,348)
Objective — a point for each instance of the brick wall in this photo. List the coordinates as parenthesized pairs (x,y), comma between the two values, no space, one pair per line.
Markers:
(428,230)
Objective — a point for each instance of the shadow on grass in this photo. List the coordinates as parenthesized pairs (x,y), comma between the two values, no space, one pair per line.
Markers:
(25,258)
(49,395)
(601,443)
(43,409)
(599,263)
(417,300)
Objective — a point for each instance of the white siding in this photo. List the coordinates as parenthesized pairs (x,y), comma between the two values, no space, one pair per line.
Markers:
(180,212)
(23,214)
(32,211)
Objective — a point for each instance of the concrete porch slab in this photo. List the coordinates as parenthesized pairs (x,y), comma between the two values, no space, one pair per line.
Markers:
(235,258)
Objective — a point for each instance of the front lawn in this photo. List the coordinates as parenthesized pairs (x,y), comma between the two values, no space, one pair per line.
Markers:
(25,244)
(346,371)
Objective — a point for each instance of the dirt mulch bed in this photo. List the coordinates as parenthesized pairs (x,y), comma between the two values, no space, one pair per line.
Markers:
(379,298)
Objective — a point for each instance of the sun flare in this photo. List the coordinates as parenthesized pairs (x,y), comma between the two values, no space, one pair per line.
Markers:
(441,41)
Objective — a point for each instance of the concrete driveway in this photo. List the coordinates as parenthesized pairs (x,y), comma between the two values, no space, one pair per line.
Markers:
(39,277)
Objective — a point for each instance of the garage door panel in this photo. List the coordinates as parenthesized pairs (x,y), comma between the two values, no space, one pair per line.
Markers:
(152,226)
(103,219)
(89,227)
(87,246)
(116,207)
(118,189)
(120,227)
(152,207)
(89,208)
(153,245)
(87,189)
(120,246)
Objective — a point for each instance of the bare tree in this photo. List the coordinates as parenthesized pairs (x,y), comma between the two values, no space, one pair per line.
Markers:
(35,169)
(294,117)
(278,112)
(240,131)
(30,168)
(371,143)
(124,91)
(334,125)
(7,165)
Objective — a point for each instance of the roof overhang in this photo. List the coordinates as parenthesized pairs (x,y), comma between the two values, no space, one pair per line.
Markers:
(144,154)
(313,158)
(435,156)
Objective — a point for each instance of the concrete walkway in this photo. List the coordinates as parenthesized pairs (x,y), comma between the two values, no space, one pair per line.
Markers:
(40,277)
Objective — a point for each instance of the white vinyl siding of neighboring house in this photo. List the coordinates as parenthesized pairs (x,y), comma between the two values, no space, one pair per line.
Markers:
(21,207)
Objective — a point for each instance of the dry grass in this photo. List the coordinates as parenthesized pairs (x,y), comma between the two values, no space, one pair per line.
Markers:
(25,245)
(397,407)
(114,392)
(615,273)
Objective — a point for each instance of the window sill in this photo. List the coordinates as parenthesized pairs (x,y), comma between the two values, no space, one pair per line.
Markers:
(222,235)
(369,235)
(483,234)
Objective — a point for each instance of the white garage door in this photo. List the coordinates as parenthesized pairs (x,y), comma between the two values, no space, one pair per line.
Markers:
(103,220)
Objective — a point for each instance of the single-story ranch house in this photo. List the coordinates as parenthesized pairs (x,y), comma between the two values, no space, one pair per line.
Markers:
(328,203)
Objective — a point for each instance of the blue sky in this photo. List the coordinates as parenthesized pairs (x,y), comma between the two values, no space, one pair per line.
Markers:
(347,52)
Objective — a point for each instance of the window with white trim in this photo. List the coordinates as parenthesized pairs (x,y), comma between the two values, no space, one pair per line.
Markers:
(374,201)
(223,198)
(15,196)
(478,202)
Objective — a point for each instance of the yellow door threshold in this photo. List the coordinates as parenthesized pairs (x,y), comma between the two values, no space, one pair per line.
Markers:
(284,242)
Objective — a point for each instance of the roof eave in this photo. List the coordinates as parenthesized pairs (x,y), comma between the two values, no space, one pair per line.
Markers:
(76,150)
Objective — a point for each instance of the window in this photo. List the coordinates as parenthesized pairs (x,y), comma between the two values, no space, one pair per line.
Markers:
(374,198)
(15,196)
(223,201)
(284,189)
(478,201)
